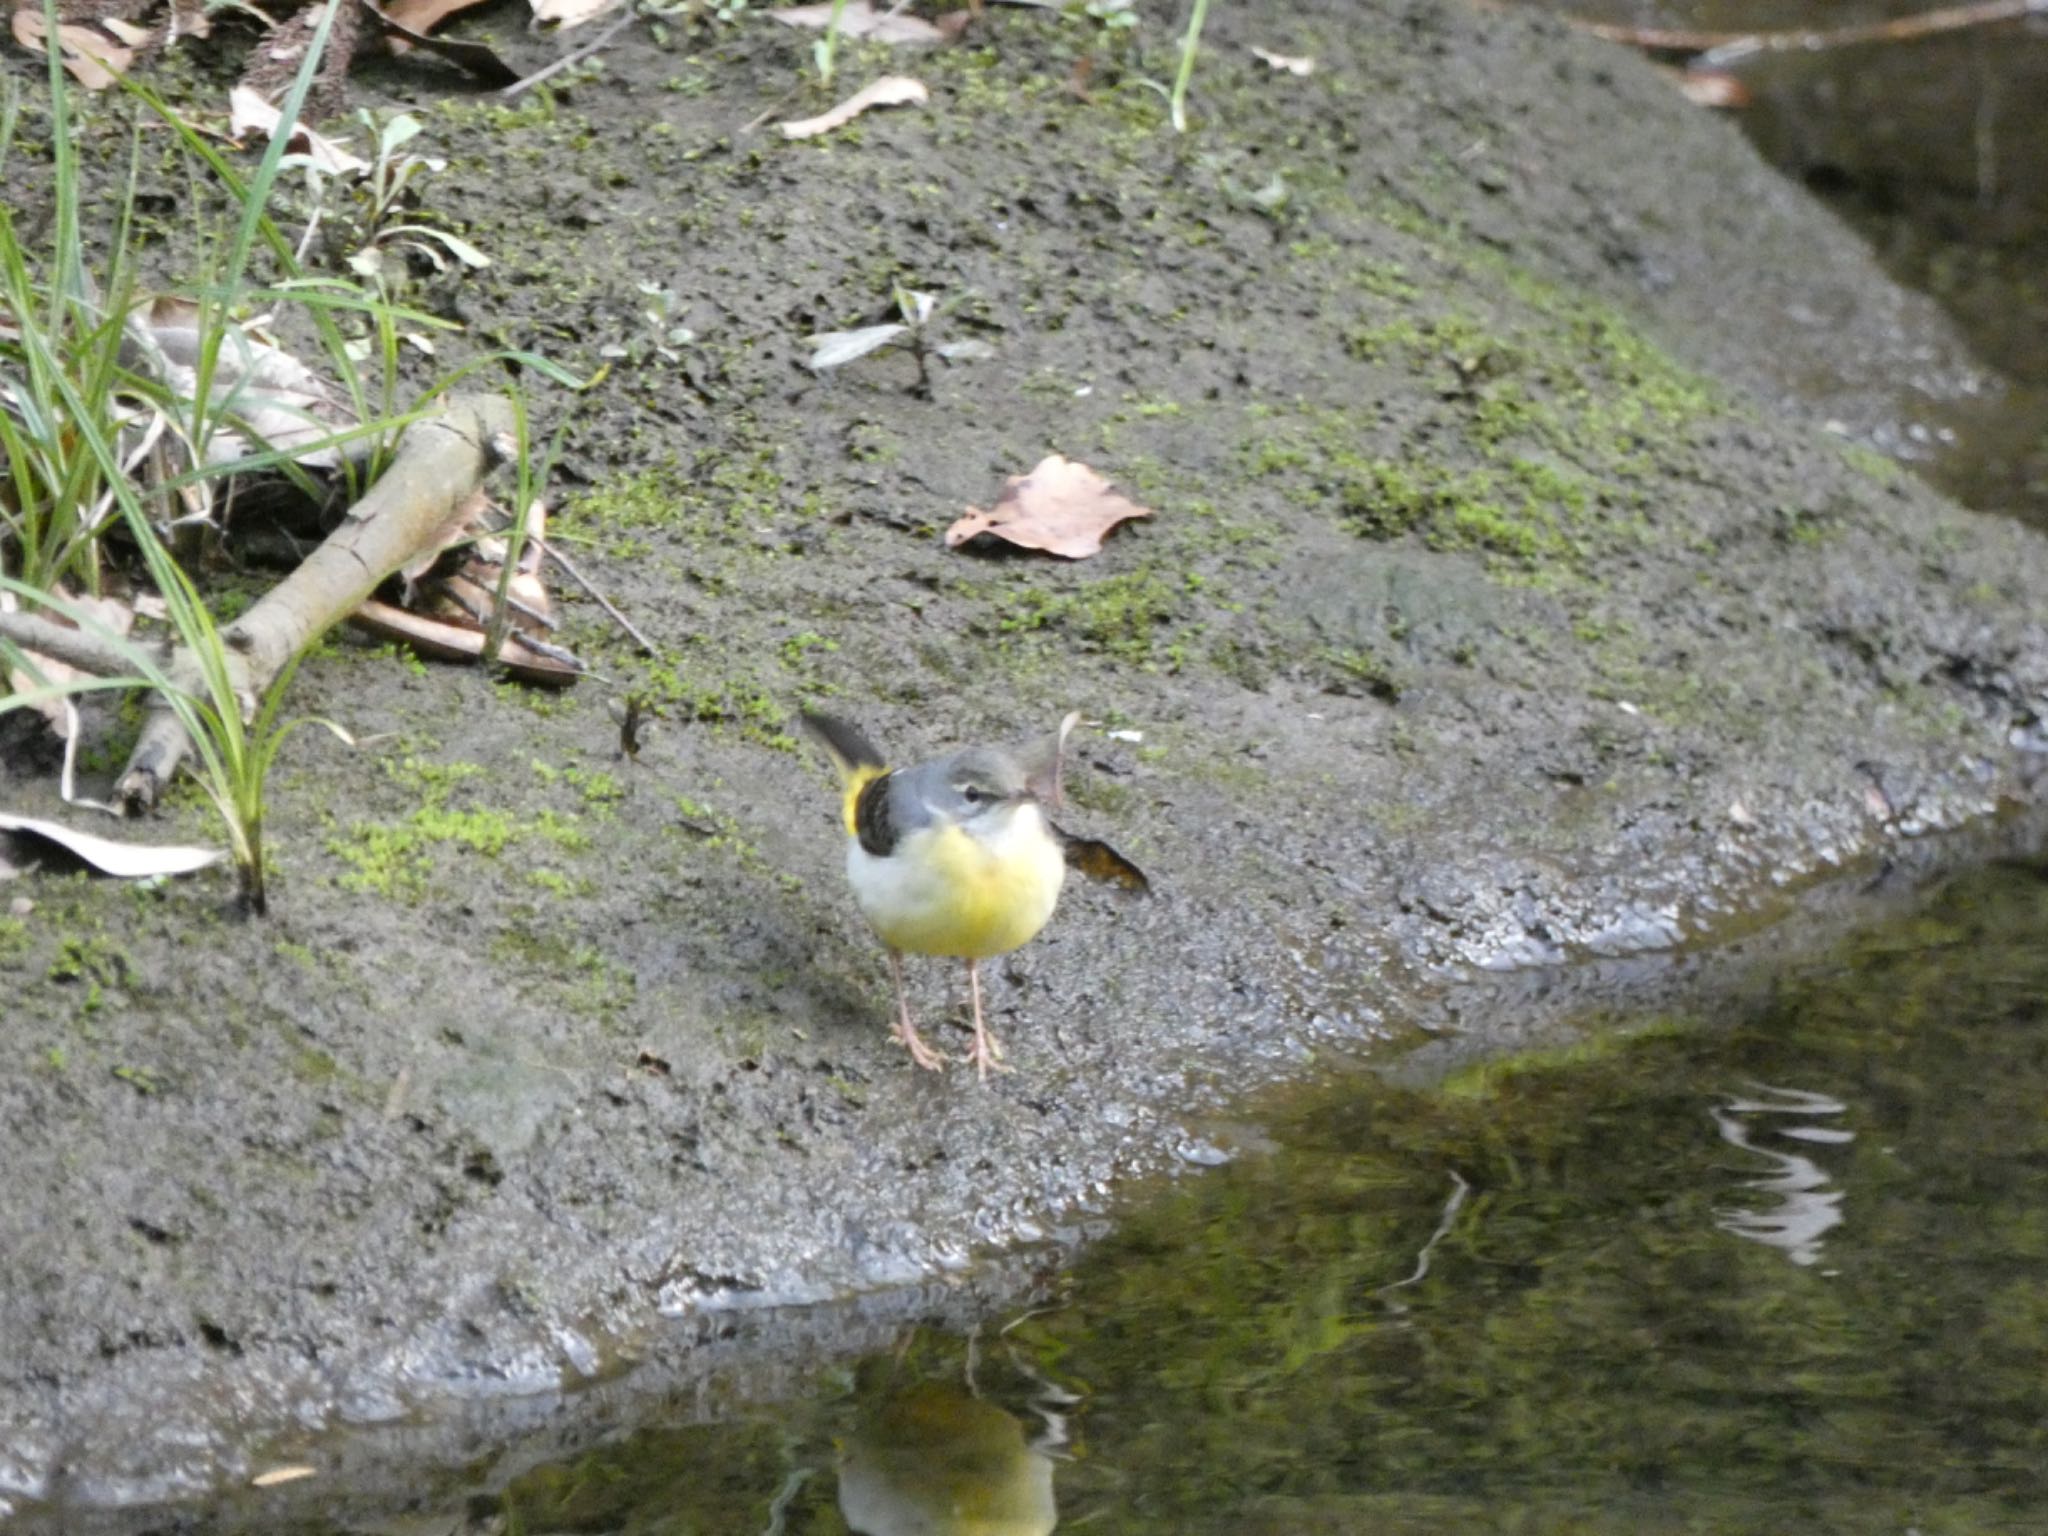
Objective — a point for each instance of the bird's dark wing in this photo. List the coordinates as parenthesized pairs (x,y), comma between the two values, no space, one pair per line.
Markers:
(1099,861)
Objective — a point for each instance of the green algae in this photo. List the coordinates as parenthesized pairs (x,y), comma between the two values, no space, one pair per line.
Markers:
(1525,1299)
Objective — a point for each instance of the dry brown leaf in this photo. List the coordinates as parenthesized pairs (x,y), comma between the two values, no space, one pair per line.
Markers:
(1285,63)
(423,15)
(449,616)
(439,641)
(889,91)
(565,14)
(861,19)
(1061,507)
(248,112)
(93,58)
(462,519)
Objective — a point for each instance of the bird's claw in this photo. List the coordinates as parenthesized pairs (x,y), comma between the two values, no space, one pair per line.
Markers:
(920,1053)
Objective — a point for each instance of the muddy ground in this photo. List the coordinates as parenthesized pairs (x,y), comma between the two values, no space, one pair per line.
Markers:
(1523,591)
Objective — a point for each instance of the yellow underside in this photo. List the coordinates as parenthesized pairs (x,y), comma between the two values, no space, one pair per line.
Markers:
(942,892)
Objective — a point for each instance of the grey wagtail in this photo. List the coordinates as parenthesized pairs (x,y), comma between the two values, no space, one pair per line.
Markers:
(957,856)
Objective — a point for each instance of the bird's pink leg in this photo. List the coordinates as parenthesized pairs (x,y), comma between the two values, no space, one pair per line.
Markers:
(986,1053)
(906,1031)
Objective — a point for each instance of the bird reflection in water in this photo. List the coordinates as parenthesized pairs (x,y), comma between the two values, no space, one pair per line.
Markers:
(934,1459)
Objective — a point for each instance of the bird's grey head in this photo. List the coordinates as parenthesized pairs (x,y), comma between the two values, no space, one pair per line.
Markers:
(974,784)
(980,786)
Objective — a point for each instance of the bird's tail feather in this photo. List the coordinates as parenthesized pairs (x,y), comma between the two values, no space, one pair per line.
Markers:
(853,755)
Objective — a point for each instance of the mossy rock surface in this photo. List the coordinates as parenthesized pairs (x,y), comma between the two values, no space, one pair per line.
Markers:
(1507,603)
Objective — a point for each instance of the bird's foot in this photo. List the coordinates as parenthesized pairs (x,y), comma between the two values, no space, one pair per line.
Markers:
(985,1055)
(913,1042)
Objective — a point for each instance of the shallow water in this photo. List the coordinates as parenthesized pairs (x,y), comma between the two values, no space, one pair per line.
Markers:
(1782,1266)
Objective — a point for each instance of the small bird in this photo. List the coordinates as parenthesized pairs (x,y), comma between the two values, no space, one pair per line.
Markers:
(958,856)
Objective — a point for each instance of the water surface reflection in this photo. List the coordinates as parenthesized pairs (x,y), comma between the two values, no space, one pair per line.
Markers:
(1780,1268)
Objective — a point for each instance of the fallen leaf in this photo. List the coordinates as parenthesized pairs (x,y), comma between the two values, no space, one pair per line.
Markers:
(480,59)
(248,112)
(94,59)
(1711,88)
(270,395)
(124,861)
(889,91)
(835,349)
(422,16)
(1061,507)
(861,19)
(277,1475)
(1287,63)
(453,642)
(457,526)
(571,13)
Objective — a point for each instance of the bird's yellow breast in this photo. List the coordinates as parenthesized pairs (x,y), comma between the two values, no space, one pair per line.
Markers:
(943,890)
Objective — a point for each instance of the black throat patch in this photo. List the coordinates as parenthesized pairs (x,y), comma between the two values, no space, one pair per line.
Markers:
(871,821)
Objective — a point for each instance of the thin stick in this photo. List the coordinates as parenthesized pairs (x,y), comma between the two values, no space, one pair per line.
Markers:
(647,646)
(1954,18)
(1443,1229)
(569,60)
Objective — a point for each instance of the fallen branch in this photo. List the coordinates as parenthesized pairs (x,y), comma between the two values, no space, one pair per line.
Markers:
(60,642)
(1727,46)
(439,461)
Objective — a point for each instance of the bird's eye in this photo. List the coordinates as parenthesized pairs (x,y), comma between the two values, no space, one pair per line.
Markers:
(974,794)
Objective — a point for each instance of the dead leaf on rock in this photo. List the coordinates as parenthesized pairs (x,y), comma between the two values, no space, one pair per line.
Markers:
(279,1475)
(1285,63)
(124,861)
(423,15)
(1062,507)
(861,19)
(447,616)
(889,91)
(248,113)
(1709,88)
(564,14)
(95,58)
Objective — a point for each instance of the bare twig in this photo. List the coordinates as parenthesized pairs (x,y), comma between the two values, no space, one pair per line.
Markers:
(439,461)
(647,646)
(569,60)
(1443,1227)
(60,642)
(1724,47)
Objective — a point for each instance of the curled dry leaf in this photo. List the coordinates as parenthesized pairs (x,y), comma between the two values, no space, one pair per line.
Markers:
(889,91)
(248,113)
(861,19)
(422,15)
(272,397)
(1285,63)
(124,861)
(1062,507)
(1711,88)
(95,58)
(564,14)
(835,349)
(279,1475)
(448,616)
